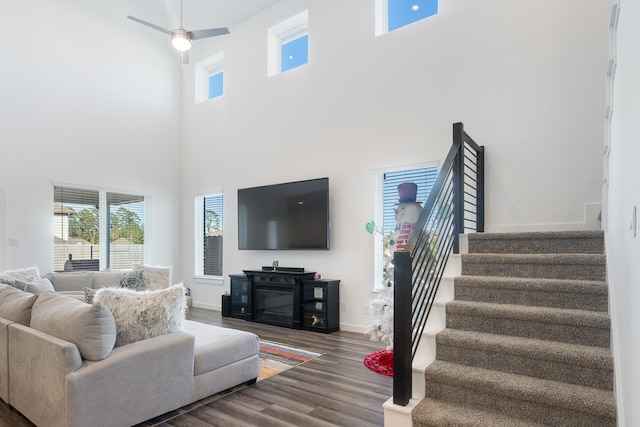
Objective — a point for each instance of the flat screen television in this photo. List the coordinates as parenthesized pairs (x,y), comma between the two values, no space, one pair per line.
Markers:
(289,216)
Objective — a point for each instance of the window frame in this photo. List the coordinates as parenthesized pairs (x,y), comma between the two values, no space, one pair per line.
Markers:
(286,31)
(199,250)
(203,71)
(103,206)
(379,215)
(382,17)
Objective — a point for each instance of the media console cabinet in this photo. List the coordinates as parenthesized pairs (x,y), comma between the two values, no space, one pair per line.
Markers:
(286,296)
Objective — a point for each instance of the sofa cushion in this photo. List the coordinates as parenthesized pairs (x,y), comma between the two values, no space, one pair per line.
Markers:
(16,305)
(144,314)
(39,286)
(217,346)
(155,277)
(107,279)
(71,281)
(91,328)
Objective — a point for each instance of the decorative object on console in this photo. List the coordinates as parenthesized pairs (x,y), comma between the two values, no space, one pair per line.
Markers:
(145,314)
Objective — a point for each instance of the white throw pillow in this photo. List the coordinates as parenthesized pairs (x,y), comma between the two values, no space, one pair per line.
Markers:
(154,277)
(27,275)
(144,314)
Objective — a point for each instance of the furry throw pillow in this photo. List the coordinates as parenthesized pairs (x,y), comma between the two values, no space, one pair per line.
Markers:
(144,314)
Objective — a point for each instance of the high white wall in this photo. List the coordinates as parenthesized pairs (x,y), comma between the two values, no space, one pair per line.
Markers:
(84,100)
(526,78)
(623,249)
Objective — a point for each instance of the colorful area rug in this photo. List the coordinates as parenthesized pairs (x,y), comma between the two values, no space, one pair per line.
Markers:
(380,361)
(274,359)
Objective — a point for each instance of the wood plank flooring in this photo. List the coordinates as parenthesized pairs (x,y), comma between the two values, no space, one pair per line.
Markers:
(335,389)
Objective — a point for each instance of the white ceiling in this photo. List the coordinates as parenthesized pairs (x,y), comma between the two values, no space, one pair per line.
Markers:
(197,14)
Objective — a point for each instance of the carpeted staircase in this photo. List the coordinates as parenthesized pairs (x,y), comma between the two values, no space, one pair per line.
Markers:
(527,337)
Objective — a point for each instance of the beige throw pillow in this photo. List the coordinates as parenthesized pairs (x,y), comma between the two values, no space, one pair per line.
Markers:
(16,305)
(90,327)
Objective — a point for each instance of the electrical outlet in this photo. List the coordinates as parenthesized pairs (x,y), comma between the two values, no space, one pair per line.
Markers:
(343,306)
(366,309)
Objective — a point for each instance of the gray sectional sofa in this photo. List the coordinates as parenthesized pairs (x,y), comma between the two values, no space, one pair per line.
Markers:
(60,364)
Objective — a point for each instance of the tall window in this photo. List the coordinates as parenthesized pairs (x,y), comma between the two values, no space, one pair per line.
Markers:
(387,197)
(288,44)
(95,229)
(209,230)
(394,14)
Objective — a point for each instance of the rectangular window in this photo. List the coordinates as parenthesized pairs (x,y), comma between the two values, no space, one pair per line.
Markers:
(387,199)
(95,229)
(288,44)
(394,14)
(209,78)
(209,233)
(215,84)
(295,52)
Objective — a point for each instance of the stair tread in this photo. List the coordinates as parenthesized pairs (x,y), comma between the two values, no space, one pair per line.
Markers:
(549,285)
(574,354)
(536,258)
(571,234)
(442,414)
(583,399)
(532,313)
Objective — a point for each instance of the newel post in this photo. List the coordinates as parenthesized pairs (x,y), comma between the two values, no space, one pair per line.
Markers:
(402,328)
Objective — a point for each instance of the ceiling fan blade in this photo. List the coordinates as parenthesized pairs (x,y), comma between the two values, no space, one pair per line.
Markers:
(149,24)
(185,57)
(211,32)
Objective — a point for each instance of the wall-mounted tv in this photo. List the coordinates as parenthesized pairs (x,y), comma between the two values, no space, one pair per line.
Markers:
(289,216)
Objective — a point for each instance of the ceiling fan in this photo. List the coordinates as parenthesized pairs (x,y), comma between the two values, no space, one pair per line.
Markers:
(181,38)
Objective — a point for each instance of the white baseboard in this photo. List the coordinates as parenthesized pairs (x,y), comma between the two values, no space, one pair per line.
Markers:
(214,307)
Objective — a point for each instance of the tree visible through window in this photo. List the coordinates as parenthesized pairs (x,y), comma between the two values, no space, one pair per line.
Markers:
(209,232)
(82,243)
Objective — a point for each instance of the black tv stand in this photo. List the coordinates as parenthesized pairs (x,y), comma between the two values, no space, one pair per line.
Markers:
(285,296)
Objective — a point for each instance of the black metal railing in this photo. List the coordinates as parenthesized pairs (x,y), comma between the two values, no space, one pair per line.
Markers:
(454,206)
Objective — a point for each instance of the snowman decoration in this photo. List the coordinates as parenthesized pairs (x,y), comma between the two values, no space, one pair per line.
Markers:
(407,212)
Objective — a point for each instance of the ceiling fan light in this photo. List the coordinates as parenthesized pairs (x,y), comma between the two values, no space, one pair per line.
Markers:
(180,40)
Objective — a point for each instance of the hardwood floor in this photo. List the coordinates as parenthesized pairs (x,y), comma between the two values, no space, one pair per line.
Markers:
(334,389)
